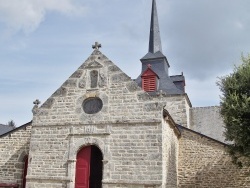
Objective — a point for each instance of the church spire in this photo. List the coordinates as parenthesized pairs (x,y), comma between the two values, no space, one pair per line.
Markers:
(154,38)
(159,64)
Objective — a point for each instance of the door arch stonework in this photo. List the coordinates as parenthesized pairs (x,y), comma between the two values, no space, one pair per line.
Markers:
(76,144)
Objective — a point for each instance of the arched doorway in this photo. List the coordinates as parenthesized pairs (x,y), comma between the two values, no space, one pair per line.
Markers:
(89,168)
(25,168)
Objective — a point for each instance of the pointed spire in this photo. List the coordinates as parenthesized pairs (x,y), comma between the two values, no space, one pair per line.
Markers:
(154,38)
(158,61)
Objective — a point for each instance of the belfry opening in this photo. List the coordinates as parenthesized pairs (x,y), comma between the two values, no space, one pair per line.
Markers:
(89,167)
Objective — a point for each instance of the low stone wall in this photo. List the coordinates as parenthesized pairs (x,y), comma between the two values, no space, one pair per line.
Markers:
(14,146)
(204,162)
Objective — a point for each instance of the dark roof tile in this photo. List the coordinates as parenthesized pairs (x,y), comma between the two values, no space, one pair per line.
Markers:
(5,129)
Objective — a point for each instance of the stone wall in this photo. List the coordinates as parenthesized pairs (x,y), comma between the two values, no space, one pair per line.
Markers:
(123,100)
(208,121)
(128,129)
(14,146)
(135,155)
(132,153)
(203,162)
(170,135)
(178,106)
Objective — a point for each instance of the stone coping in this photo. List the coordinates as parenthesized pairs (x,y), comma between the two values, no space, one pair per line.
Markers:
(131,182)
(68,179)
(202,135)
(145,122)
(49,178)
(89,134)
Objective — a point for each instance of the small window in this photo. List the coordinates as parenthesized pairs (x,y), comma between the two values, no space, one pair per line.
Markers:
(92,105)
(94,78)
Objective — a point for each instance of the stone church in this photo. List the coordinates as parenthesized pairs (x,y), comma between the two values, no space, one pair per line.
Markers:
(103,129)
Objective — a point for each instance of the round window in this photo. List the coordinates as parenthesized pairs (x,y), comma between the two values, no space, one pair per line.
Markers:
(92,105)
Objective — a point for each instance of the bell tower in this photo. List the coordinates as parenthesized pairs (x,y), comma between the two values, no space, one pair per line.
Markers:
(158,62)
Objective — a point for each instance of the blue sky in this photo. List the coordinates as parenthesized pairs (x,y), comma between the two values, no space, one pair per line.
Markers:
(42,42)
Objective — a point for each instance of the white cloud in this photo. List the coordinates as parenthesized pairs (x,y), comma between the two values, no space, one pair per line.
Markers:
(26,15)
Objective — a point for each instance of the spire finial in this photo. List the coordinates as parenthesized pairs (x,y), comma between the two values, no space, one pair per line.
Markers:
(154,38)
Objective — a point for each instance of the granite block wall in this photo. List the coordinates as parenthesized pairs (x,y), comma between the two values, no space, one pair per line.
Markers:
(170,151)
(204,162)
(132,153)
(13,149)
(208,121)
(178,106)
(127,129)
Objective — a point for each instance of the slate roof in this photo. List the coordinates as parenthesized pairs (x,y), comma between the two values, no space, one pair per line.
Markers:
(149,72)
(14,130)
(5,129)
(177,78)
(154,37)
(156,55)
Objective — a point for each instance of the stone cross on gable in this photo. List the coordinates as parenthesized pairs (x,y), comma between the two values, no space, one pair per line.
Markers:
(36,102)
(35,108)
(96,46)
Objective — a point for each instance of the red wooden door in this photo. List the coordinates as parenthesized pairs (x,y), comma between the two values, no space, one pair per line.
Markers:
(25,170)
(83,168)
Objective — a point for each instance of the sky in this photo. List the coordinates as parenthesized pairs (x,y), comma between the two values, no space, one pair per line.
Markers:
(42,42)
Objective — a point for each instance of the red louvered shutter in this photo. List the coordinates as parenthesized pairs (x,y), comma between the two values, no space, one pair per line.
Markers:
(149,83)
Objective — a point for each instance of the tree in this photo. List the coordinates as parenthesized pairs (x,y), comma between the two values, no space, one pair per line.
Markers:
(235,110)
(12,124)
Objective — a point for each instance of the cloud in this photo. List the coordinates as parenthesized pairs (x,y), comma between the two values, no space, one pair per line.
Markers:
(26,15)
(201,38)
(204,37)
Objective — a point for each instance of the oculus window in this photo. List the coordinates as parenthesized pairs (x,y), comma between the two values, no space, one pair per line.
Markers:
(92,105)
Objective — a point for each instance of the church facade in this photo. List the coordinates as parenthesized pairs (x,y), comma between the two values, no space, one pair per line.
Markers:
(103,129)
